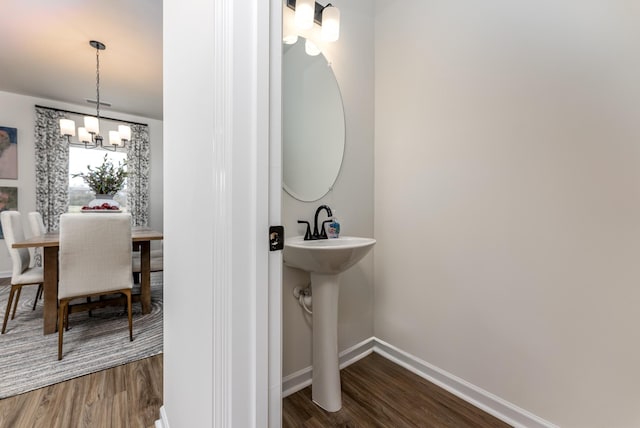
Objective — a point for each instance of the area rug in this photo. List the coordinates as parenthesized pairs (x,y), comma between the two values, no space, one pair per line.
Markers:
(29,359)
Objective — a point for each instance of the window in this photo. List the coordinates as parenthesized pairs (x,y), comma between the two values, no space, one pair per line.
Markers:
(79,193)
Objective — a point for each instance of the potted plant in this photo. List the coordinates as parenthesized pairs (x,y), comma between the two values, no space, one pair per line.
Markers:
(105,180)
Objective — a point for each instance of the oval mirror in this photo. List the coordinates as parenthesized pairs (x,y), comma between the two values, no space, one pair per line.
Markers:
(313,124)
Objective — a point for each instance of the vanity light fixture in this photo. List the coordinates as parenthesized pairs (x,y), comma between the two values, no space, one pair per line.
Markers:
(305,12)
(89,135)
(310,48)
(327,17)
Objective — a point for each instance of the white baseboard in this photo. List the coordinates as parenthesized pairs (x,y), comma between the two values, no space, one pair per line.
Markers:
(496,406)
(163,422)
(6,274)
(302,378)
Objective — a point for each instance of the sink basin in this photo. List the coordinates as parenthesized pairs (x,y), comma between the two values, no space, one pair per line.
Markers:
(328,256)
(325,260)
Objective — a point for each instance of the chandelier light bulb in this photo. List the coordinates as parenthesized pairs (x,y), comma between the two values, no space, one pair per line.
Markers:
(125,132)
(92,125)
(84,136)
(67,127)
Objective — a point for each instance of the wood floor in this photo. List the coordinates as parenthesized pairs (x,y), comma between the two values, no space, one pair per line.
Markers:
(379,393)
(127,396)
(375,393)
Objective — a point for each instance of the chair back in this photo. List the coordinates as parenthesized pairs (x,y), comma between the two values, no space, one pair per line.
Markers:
(36,224)
(95,253)
(14,232)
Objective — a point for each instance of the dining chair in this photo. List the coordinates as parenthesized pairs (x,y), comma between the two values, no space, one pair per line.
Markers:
(22,274)
(94,260)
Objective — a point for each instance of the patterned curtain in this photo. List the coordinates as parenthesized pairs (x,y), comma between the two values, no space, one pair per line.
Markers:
(52,167)
(138,179)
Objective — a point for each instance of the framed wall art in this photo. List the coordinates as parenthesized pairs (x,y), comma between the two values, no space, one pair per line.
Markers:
(8,202)
(8,152)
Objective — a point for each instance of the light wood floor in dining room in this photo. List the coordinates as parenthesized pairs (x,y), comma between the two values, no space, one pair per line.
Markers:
(127,396)
(378,393)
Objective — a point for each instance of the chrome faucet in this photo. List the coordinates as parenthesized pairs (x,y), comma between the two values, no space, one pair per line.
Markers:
(322,234)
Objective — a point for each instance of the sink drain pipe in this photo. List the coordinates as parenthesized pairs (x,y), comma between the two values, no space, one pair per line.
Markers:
(304,297)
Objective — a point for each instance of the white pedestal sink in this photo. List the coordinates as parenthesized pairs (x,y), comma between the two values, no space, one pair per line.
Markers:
(325,260)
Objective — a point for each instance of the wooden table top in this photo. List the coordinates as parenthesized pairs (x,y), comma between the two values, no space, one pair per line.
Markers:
(52,239)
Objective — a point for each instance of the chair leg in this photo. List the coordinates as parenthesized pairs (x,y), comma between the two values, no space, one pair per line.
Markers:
(15,302)
(61,316)
(66,316)
(38,293)
(6,313)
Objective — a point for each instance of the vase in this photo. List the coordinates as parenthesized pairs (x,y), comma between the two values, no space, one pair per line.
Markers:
(101,199)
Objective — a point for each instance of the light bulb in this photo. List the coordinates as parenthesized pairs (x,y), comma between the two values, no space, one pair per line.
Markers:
(290,39)
(92,125)
(67,127)
(305,11)
(125,132)
(330,23)
(84,136)
(310,48)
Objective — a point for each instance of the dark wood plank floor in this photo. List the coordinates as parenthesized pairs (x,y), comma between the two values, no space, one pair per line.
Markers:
(127,396)
(379,393)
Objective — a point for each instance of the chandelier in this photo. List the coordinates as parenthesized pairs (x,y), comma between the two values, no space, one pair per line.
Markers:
(89,135)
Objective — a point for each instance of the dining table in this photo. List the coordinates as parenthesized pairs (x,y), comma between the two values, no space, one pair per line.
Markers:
(141,238)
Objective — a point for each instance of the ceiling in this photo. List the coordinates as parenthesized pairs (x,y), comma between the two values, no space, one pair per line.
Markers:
(45,52)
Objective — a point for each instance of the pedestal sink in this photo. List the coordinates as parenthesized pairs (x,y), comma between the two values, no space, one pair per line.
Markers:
(325,260)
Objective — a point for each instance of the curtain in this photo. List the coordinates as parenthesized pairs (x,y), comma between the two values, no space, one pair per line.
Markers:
(52,170)
(138,175)
(52,167)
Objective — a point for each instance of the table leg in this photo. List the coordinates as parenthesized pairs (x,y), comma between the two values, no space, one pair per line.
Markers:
(145,276)
(50,289)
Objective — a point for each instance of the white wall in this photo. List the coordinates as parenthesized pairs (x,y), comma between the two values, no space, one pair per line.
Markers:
(18,111)
(352,197)
(216,318)
(507,199)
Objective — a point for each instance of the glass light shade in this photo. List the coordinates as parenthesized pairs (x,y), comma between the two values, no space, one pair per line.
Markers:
(67,127)
(92,125)
(310,48)
(290,39)
(330,24)
(84,136)
(114,138)
(305,10)
(125,132)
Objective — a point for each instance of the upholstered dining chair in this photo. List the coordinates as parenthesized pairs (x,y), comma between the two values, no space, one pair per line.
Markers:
(94,260)
(22,274)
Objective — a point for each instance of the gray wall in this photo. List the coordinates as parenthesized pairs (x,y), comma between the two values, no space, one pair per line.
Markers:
(507,199)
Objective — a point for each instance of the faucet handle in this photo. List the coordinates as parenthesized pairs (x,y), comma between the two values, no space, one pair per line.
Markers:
(323,232)
(307,234)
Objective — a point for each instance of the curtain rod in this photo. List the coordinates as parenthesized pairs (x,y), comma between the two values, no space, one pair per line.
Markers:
(84,114)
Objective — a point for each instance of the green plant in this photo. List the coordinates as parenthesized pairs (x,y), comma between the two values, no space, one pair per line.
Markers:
(106,179)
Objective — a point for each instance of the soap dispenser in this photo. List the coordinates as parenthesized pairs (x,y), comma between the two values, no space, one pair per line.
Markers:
(334,227)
